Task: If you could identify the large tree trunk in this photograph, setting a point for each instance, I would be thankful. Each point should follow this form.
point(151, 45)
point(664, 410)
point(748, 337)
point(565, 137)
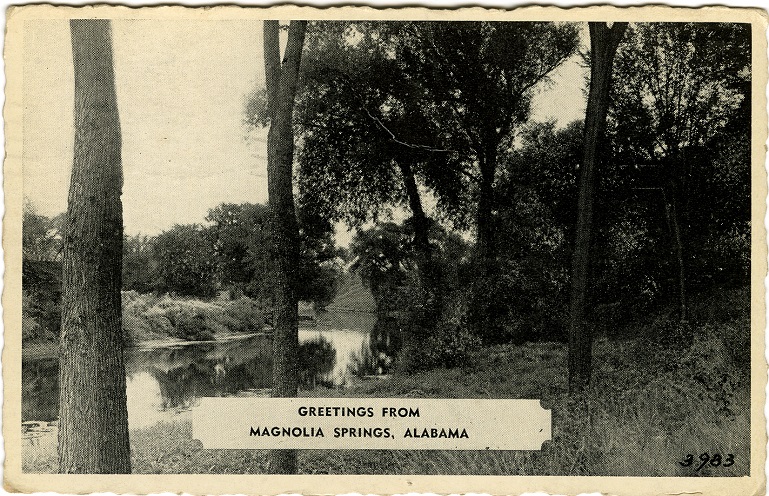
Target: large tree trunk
point(93, 417)
point(281, 89)
point(603, 42)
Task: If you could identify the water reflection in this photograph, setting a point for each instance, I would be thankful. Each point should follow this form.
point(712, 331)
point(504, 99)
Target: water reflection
point(40, 389)
point(316, 358)
point(162, 382)
point(376, 357)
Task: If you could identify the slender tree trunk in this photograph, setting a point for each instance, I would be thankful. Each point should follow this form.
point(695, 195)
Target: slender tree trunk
point(485, 303)
point(672, 215)
point(281, 90)
point(429, 272)
point(429, 275)
point(93, 417)
point(485, 222)
point(603, 41)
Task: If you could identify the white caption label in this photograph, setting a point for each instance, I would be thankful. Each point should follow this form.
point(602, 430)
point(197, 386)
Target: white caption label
point(371, 423)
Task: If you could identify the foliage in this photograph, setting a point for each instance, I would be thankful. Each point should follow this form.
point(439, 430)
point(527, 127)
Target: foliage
point(240, 234)
point(477, 80)
point(347, 168)
point(155, 317)
point(242, 315)
point(448, 345)
point(185, 261)
point(676, 88)
point(376, 356)
point(382, 260)
point(680, 132)
point(41, 300)
point(30, 328)
point(526, 296)
point(319, 259)
point(139, 264)
point(384, 256)
point(439, 96)
point(41, 236)
point(317, 358)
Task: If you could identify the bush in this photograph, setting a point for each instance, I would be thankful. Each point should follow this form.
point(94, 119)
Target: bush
point(191, 326)
point(152, 317)
point(41, 300)
point(518, 302)
point(447, 346)
point(316, 358)
point(30, 327)
point(709, 363)
point(700, 360)
point(242, 315)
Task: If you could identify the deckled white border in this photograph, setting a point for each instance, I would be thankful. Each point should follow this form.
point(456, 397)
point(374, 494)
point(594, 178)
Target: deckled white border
point(446, 484)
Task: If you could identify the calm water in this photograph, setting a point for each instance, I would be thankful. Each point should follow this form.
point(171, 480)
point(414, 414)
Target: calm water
point(163, 383)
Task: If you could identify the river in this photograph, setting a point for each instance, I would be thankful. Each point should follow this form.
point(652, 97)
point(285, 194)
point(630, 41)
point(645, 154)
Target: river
point(166, 382)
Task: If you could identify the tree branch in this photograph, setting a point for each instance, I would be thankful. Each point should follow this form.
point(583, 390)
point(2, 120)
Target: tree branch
point(400, 142)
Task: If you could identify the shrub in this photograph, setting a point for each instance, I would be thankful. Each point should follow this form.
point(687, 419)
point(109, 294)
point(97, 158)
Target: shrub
point(709, 363)
point(191, 325)
point(152, 317)
point(30, 328)
point(242, 315)
point(699, 360)
point(447, 346)
point(316, 358)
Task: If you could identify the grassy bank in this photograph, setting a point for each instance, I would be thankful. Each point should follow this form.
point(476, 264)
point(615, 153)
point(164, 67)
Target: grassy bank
point(160, 320)
point(632, 422)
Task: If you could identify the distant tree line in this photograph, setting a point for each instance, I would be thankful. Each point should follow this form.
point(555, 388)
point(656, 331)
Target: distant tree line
point(231, 252)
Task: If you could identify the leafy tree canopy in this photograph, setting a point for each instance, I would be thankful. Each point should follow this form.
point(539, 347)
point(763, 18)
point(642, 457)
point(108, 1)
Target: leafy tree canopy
point(440, 96)
point(186, 264)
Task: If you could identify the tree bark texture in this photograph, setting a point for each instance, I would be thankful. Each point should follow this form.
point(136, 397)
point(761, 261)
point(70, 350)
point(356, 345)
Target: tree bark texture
point(281, 90)
point(603, 43)
point(93, 417)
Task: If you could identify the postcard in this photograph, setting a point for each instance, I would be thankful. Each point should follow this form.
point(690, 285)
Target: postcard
point(302, 250)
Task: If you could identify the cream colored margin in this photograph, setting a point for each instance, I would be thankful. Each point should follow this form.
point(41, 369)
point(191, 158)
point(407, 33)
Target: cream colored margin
point(15, 480)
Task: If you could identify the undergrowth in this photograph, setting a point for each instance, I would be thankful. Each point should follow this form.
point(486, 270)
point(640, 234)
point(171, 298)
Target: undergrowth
point(653, 400)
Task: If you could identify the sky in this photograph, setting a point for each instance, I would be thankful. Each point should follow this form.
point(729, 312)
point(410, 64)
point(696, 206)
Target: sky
point(181, 88)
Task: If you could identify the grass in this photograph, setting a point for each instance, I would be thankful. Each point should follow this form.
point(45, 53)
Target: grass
point(629, 424)
point(665, 392)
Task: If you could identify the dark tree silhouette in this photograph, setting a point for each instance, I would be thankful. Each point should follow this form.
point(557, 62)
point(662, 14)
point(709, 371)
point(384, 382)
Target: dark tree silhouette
point(387, 106)
point(603, 45)
point(93, 429)
point(681, 91)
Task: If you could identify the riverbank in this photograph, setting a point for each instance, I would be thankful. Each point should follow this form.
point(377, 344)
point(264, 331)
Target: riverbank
point(632, 422)
point(220, 338)
point(38, 350)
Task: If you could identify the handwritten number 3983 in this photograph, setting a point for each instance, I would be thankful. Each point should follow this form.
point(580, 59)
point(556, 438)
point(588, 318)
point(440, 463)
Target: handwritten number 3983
point(715, 460)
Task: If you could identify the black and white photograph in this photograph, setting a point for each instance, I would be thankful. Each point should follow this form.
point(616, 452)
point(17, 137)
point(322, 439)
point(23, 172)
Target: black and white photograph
point(359, 242)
